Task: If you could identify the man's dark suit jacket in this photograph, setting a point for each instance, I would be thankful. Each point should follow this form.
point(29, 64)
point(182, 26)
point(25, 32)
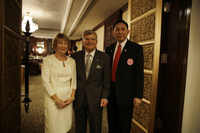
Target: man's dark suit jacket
point(129, 74)
point(98, 84)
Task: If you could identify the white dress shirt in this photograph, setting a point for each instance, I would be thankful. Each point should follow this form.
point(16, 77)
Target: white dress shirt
point(122, 47)
point(91, 57)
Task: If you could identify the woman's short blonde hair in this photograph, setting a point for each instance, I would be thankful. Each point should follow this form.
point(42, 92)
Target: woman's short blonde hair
point(58, 37)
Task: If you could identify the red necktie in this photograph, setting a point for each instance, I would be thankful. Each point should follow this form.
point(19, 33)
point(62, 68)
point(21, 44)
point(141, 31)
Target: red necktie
point(115, 63)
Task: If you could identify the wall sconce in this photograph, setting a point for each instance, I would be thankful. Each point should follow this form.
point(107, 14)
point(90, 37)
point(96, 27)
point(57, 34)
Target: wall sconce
point(40, 50)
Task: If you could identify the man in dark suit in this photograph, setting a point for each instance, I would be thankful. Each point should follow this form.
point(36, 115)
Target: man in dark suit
point(93, 84)
point(126, 79)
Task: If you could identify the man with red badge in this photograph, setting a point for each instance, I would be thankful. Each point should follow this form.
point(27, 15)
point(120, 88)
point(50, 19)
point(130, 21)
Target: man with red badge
point(127, 79)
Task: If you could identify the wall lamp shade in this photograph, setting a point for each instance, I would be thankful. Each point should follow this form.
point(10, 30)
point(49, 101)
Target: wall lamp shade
point(33, 26)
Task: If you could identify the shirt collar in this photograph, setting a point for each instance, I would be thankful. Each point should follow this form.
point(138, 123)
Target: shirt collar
point(92, 53)
point(122, 44)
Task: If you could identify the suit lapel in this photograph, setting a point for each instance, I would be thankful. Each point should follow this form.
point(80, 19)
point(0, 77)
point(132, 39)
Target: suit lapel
point(112, 50)
point(82, 68)
point(94, 64)
point(124, 52)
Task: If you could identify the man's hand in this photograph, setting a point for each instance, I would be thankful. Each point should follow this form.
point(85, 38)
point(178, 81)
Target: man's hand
point(104, 102)
point(137, 102)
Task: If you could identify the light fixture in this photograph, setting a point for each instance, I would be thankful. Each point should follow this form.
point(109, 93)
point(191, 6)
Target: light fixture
point(40, 47)
point(40, 50)
point(33, 26)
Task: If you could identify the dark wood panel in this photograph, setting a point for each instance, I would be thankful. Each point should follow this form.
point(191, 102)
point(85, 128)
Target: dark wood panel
point(49, 47)
point(12, 117)
point(10, 92)
point(172, 76)
point(12, 54)
point(109, 22)
point(99, 26)
point(33, 46)
point(11, 32)
point(1, 63)
point(12, 13)
point(109, 27)
point(124, 8)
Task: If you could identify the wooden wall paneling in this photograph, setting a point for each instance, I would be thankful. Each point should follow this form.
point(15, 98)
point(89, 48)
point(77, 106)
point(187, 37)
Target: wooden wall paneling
point(35, 40)
point(145, 27)
point(45, 47)
point(1, 64)
point(12, 100)
point(49, 46)
point(108, 28)
point(99, 26)
point(12, 13)
point(72, 44)
point(124, 8)
point(172, 75)
point(10, 49)
point(23, 52)
point(33, 46)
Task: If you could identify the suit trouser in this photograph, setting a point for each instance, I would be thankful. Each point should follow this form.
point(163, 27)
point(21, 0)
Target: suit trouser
point(119, 118)
point(95, 119)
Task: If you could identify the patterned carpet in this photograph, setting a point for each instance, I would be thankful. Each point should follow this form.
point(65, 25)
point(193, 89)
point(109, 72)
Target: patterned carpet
point(33, 121)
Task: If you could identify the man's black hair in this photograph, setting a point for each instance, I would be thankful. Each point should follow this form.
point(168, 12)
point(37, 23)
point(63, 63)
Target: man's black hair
point(120, 21)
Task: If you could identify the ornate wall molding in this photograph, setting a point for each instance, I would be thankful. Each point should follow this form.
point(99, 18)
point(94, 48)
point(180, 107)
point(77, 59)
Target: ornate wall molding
point(141, 114)
point(143, 30)
point(140, 7)
point(147, 87)
point(148, 52)
point(143, 22)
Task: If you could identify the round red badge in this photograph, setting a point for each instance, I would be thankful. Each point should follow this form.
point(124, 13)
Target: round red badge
point(130, 61)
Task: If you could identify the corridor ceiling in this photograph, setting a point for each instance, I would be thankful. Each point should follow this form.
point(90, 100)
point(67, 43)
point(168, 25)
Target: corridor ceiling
point(71, 17)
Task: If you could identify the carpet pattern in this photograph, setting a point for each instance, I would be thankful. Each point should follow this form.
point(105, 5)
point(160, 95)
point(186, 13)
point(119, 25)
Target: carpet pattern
point(33, 121)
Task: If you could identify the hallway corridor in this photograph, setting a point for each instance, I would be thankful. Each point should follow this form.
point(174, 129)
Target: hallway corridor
point(33, 121)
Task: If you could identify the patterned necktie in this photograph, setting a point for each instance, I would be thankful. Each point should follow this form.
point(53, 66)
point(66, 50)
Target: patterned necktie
point(115, 63)
point(88, 65)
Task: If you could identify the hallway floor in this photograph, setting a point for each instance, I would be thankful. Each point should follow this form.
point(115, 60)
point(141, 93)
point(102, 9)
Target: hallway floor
point(33, 121)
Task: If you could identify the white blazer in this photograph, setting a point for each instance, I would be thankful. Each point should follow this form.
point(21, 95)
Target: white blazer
point(49, 75)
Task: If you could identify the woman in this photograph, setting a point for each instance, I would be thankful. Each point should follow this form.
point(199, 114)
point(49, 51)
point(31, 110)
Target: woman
point(59, 81)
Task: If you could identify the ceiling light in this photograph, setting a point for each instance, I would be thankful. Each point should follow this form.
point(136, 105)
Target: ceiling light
point(33, 26)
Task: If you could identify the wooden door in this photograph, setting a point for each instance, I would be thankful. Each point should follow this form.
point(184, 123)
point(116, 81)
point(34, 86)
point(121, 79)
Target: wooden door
point(10, 66)
point(172, 74)
point(145, 29)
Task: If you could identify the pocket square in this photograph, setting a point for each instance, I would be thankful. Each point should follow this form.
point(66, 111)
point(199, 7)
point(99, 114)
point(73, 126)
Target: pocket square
point(98, 67)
